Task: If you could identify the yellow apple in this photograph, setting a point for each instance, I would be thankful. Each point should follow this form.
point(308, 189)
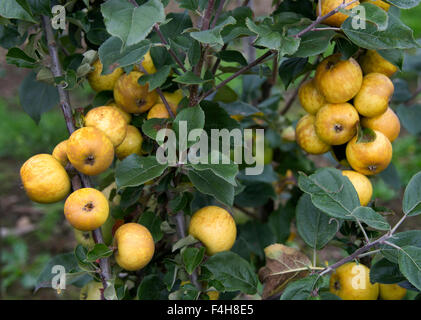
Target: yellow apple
point(337, 19)
point(131, 96)
point(310, 98)
point(90, 151)
point(100, 82)
point(338, 80)
point(135, 246)
point(306, 136)
point(336, 124)
point(361, 184)
point(391, 292)
point(372, 61)
point(215, 228)
point(132, 143)
point(86, 209)
point(109, 121)
point(60, 153)
point(44, 179)
point(387, 123)
point(373, 98)
point(351, 281)
point(369, 158)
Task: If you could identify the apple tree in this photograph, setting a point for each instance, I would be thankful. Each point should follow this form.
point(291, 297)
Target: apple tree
point(201, 230)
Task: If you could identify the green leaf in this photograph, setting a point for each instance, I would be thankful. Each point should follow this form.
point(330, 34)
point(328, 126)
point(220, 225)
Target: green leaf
point(232, 56)
point(19, 58)
point(136, 170)
point(99, 251)
point(314, 43)
point(384, 271)
point(13, 10)
point(331, 192)
point(409, 118)
point(394, 56)
point(346, 48)
point(371, 218)
point(302, 289)
point(267, 176)
point(213, 36)
point(233, 272)
point(409, 259)
point(255, 194)
point(130, 196)
point(10, 37)
point(152, 288)
point(209, 183)
point(184, 242)
point(153, 223)
point(315, 227)
point(192, 257)
point(37, 97)
point(291, 69)
point(152, 126)
point(131, 24)
point(113, 54)
point(187, 120)
point(189, 78)
point(396, 36)
point(157, 79)
point(67, 260)
point(273, 39)
point(412, 197)
point(373, 14)
point(404, 4)
point(228, 172)
point(401, 239)
point(239, 108)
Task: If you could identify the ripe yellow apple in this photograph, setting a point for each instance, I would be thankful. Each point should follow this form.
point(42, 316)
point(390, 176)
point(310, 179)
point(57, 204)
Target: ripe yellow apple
point(147, 64)
point(338, 80)
point(373, 98)
point(131, 96)
point(132, 143)
point(337, 19)
point(369, 158)
point(336, 123)
point(44, 179)
point(351, 281)
point(215, 228)
point(60, 153)
point(135, 246)
point(385, 6)
point(109, 121)
point(372, 61)
point(173, 98)
point(127, 116)
point(91, 291)
point(86, 209)
point(387, 123)
point(310, 98)
point(100, 82)
point(391, 291)
point(361, 184)
point(306, 136)
point(90, 151)
point(159, 111)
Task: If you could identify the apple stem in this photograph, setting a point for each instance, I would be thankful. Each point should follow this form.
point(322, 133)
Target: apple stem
point(82, 180)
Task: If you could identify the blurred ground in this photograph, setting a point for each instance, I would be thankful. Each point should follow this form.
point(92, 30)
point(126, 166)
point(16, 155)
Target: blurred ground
point(31, 233)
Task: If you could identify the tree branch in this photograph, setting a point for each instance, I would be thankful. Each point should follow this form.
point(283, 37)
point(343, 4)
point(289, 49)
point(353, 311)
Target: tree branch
point(320, 18)
point(170, 51)
point(238, 73)
point(56, 69)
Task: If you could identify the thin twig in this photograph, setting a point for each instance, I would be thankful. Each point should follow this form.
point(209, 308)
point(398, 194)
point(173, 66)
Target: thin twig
point(218, 61)
point(238, 73)
point(160, 93)
point(320, 18)
point(56, 69)
point(170, 51)
point(218, 13)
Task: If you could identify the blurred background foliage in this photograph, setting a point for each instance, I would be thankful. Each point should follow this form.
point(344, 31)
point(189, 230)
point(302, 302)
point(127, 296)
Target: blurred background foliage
point(32, 233)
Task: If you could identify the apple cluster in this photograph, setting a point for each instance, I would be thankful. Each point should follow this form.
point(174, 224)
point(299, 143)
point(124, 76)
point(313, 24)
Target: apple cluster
point(348, 114)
